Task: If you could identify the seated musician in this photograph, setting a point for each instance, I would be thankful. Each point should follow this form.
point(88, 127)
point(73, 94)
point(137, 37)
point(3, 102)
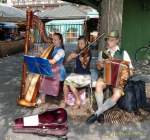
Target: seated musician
point(81, 76)
point(50, 86)
point(113, 52)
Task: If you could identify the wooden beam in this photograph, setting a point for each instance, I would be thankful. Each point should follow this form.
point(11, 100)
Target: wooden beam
point(75, 1)
point(93, 3)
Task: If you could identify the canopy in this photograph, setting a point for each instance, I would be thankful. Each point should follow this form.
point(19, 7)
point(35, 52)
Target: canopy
point(11, 14)
point(65, 22)
point(8, 25)
point(63, 12)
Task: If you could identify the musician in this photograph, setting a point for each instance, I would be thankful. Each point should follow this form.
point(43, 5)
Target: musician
point(50, 86)
point(81, 76)
point(111, 51)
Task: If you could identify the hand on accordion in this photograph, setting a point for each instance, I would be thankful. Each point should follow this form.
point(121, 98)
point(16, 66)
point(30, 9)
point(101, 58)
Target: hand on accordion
point(124, 75)
point(99, 65)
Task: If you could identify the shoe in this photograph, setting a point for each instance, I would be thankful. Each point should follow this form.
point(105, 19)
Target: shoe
point(39, 102)
point(91, 119)
point(100, 118)
point(146, 107)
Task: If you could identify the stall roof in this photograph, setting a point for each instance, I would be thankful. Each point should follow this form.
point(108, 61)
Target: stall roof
point(81, 21)
point(9, 13)
point(63, 12)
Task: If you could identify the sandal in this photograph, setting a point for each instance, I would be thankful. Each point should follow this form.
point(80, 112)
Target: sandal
point(63, 104)
point(77, 105)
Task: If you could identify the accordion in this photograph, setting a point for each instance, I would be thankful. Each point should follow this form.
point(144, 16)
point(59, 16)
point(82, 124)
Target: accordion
point(116, 72)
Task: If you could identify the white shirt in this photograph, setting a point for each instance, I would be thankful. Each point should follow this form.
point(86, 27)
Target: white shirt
point(59, 55)
point(126, 56)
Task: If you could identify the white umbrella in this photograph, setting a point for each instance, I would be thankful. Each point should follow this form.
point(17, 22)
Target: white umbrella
point(9, 13)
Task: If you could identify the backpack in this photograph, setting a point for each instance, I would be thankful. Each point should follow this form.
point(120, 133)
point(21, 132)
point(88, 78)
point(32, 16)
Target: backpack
point(134, 97)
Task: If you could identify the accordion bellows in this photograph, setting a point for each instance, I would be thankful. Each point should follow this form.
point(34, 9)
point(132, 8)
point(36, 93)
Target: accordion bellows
point(116, 72)
point(51, 122)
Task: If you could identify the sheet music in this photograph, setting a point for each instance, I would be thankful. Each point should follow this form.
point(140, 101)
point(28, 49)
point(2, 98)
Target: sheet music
point(38, 65)
point(31, 120)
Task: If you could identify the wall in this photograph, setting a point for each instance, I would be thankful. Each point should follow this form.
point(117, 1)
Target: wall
point(136, 25)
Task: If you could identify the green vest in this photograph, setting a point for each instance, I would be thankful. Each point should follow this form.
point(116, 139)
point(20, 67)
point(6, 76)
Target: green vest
point(119, 54)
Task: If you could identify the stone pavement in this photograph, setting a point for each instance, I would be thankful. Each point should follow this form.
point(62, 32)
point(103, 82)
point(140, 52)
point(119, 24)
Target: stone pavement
point(10, 76)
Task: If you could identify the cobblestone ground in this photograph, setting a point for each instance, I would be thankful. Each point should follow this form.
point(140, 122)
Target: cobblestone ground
point(10, 76)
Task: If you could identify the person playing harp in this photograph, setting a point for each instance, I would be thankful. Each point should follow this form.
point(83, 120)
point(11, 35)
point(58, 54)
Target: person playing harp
point(50, 86)
point(111, 52)
point(44, 47)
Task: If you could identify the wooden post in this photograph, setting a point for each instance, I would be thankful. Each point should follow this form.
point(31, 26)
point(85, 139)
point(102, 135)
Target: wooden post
point(111, 12)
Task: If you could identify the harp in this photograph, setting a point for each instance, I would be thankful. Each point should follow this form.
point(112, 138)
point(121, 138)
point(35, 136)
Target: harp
point(30, 82)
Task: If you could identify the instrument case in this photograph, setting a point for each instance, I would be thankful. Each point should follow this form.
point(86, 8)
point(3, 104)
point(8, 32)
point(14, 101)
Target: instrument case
point(52, 122)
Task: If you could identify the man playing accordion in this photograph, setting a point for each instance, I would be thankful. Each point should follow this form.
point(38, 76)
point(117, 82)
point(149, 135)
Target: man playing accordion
point(111, 60)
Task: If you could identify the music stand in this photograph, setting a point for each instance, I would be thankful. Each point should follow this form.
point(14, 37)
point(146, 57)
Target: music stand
point(38, 65)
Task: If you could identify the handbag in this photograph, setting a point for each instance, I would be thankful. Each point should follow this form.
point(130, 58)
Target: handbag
point(134, 97)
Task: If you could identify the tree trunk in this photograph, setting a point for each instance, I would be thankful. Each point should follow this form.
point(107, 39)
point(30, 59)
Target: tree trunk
point(110, 18)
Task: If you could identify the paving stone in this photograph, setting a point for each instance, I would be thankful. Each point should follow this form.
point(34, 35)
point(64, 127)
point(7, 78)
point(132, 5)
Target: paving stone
point(10, 74)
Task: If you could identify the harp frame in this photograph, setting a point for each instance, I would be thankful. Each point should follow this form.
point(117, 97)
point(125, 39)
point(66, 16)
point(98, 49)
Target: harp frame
point(29, 88)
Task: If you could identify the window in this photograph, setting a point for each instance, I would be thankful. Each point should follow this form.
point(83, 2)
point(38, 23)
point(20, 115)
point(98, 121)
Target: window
point(70, 32)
